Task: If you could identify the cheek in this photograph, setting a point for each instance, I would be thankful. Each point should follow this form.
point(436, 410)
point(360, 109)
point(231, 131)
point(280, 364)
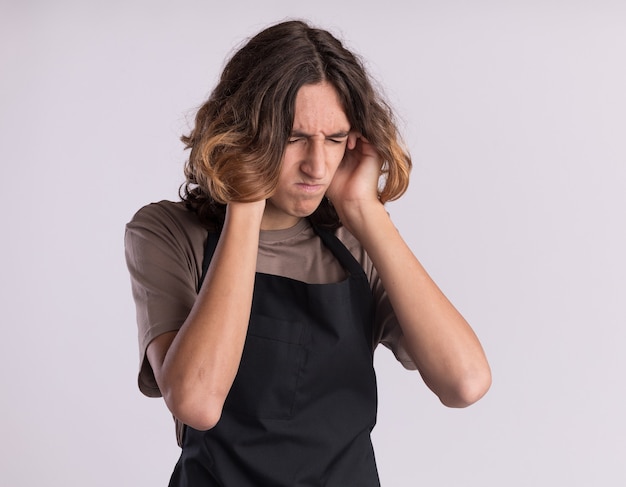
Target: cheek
point(335, 156)
point(289, 155)
point(288, 163)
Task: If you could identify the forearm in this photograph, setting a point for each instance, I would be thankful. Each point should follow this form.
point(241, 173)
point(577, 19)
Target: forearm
point(202, 360)
point(440, 341)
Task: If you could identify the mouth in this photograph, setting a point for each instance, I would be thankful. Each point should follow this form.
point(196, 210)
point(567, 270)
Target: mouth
point(310, 188)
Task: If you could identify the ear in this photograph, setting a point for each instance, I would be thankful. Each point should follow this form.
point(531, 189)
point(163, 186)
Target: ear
point(352, 138)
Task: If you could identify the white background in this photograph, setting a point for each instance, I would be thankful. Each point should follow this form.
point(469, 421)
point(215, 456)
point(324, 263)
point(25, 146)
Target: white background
point(515, 113)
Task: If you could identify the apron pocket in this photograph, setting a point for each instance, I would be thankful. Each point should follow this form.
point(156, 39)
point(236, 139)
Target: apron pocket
point(267, 379)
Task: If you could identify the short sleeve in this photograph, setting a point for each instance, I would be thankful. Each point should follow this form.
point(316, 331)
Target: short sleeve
point(163, 249)
point(387, 329)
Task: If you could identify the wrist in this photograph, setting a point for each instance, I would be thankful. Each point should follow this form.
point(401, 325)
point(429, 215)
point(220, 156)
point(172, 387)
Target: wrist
point(362, 217)
point(247, 214)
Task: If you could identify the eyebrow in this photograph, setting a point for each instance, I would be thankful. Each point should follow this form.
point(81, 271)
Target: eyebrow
point(336, 135)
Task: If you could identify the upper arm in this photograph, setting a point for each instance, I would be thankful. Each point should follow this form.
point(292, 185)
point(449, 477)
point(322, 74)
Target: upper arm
point(163, 255)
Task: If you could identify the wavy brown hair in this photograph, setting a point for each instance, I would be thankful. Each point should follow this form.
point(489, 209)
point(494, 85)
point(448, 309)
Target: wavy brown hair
point(241, 131)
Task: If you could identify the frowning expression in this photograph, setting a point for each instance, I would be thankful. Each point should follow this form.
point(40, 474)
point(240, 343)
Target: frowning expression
point(314, 151)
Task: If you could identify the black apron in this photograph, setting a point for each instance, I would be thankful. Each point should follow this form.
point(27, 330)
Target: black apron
point(304, 401)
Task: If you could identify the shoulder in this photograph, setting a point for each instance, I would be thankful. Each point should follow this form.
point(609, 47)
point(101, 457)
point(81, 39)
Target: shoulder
point(165, 213)
point(166, 219)
point(167, 233)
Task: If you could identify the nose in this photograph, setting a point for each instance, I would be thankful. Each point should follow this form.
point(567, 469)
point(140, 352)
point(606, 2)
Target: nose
point(314, 161)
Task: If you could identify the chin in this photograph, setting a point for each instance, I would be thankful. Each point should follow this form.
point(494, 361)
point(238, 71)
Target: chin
point(306, 212)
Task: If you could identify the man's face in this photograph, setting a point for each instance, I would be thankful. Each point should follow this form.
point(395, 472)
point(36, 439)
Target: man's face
point(313, 154)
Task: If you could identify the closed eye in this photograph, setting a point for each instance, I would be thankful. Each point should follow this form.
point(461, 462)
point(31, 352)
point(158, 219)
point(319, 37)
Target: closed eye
point(338, 138)
point(335, 138)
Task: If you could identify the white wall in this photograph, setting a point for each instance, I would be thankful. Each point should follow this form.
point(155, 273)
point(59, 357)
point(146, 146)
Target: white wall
point(515, 113)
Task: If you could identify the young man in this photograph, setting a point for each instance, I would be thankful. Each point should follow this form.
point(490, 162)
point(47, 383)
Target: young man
point(261, 296)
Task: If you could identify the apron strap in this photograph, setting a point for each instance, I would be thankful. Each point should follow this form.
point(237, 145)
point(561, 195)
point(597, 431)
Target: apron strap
point(339, 250)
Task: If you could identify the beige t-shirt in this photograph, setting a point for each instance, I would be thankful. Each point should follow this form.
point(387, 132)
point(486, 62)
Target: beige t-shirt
point(164, 253)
